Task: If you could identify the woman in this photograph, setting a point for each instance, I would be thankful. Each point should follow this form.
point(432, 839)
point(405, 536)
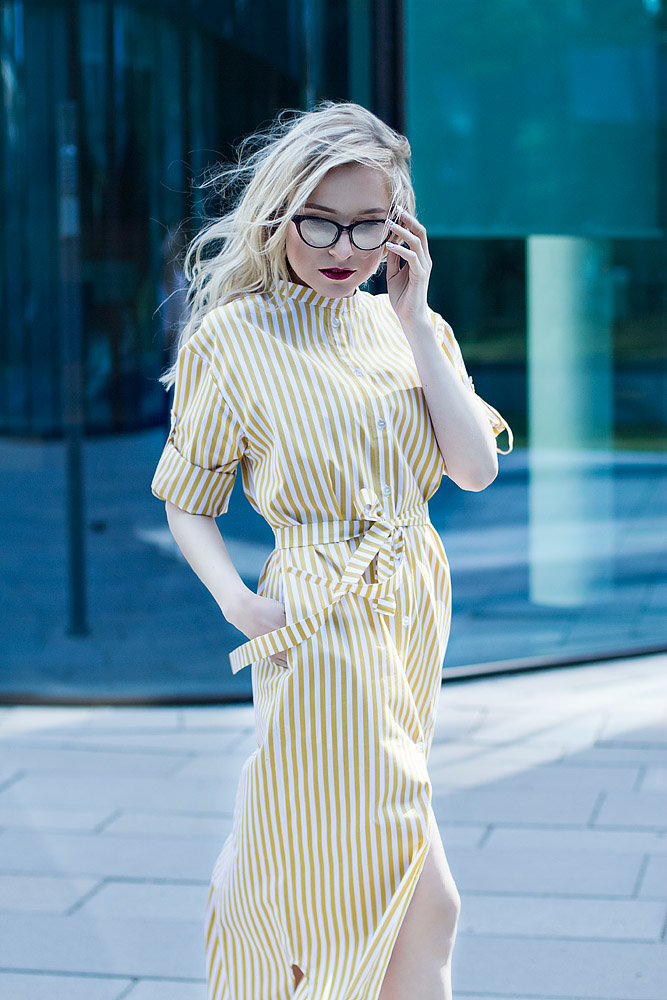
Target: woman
point(344, 410)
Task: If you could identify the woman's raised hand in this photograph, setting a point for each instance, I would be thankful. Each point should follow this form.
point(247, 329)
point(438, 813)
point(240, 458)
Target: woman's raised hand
point(408, 285)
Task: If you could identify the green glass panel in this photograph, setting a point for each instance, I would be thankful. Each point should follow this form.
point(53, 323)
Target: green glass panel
point(539, 117)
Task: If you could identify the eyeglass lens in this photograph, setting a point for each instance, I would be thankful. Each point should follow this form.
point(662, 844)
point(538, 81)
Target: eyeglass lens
point(322, 233)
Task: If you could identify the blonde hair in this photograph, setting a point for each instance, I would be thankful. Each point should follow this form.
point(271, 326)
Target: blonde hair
point(244, 251)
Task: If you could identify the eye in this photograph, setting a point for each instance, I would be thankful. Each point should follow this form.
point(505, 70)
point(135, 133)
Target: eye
point(318, 232)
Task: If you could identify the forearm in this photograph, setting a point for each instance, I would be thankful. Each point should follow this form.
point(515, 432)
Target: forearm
point(462, 429)
point(200, 541)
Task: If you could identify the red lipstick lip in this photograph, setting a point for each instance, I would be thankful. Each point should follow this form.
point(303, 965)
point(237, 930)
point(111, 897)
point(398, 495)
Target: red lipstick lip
point(336, 273)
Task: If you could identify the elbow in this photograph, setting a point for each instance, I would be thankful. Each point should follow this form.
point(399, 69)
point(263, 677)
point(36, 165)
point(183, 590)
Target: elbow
point(481, 482)
point(476, 478)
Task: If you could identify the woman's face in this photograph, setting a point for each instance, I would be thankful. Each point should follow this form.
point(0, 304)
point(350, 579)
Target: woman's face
point(351, 193)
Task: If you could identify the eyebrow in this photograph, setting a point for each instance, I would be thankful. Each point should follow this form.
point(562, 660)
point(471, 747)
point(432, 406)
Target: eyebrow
point(333, 211)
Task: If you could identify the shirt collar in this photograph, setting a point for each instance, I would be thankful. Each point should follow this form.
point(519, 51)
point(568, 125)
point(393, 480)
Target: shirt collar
point(290, 290)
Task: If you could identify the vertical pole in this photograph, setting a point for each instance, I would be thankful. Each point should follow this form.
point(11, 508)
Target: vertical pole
point(69, 234)
point(312, 41)
point(360, 48)
point(389, 62)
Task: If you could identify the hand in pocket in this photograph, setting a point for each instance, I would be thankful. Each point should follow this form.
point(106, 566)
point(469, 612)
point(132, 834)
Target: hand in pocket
point(255, 615)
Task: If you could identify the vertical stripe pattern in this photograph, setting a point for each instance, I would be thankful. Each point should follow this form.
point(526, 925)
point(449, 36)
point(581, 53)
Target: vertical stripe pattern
point(319, 402)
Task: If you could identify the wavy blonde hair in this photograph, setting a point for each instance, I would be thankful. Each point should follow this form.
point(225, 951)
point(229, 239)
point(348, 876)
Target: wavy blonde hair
point(244, 251)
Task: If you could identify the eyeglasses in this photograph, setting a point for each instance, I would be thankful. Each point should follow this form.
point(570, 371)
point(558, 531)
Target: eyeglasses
point(320, 233)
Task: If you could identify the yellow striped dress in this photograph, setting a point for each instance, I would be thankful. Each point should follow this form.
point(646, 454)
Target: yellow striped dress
point(320, 401)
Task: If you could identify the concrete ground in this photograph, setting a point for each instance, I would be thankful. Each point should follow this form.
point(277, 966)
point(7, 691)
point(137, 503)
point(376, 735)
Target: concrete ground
point(550, 791)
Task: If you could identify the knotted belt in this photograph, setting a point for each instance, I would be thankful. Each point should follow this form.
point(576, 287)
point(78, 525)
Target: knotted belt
point(384, 539)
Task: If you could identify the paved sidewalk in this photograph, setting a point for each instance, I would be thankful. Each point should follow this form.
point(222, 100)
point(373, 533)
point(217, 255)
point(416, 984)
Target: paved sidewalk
point(550, 790)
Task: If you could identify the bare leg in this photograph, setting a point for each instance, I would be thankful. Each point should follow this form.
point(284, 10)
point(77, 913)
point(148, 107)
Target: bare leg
point(420, 964)
point(298, 975)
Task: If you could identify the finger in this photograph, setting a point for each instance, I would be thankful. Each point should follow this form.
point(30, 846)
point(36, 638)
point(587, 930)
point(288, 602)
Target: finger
point(411, 220)
point(416, 240)
point(406, 234)
point(410, 256)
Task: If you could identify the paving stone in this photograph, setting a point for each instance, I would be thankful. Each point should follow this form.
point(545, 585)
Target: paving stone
point(651, 736)
point(106, 946)
point(35, 760)
point(159, 989)
point(219, 717)
point(509, 776)
point(631, 721)
point(167, 824)
point(83, 820)
point(23, 720)
point(41, 893)
point(488, 804)
point(525, 754)
point(116, 791)
point(9, 772)
point(39, 986)
point(611, 754)
point(537, 729)
point(453, 721)
point(520, 916)
point(210, 767)
point(173, 741)
point(655, 780)
point(586, 839)
point(150, 901)
point(122, 856)
point(531, 967)
point(654, 882)
point(114, 718)
point(551, 872)
point(639, 809)
point(461, 835)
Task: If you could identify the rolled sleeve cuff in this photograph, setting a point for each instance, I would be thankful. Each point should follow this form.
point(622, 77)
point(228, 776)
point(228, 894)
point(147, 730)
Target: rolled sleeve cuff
point(190, 487)
point(498, 425)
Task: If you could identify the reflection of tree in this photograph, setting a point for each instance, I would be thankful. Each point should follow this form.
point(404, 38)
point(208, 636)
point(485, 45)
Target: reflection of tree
point(484, 36)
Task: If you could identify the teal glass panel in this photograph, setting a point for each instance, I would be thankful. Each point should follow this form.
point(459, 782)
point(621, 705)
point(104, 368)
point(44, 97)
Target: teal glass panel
point(536, 118)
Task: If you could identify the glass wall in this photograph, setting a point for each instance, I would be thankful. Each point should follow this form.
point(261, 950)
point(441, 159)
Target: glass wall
point(539, 168)
point(538, 138)
point(157, 96)
point(94, 599)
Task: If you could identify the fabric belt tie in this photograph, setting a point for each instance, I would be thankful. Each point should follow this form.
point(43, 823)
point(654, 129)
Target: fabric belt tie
point(384, 539)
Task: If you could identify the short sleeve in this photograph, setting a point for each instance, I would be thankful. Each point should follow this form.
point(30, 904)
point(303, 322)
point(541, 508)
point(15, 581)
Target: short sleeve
point(446, 338)
point(206, 441)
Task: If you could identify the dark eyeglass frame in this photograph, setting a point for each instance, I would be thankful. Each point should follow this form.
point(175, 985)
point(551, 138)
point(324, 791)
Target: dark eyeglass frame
point(298, 219)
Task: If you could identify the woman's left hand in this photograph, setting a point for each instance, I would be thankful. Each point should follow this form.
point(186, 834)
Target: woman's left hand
point(408, 285)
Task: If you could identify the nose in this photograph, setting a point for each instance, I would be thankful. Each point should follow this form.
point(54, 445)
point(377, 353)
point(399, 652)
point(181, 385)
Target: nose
point(343, 248)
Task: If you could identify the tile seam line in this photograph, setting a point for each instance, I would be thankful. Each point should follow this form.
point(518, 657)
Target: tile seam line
point(66, 974)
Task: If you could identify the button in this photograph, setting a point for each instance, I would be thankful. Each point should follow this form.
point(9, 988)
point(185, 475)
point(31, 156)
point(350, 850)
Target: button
point(406, 621)
point(335, 322)
point(382, 424)
point(357, 371)
point(386, 490)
